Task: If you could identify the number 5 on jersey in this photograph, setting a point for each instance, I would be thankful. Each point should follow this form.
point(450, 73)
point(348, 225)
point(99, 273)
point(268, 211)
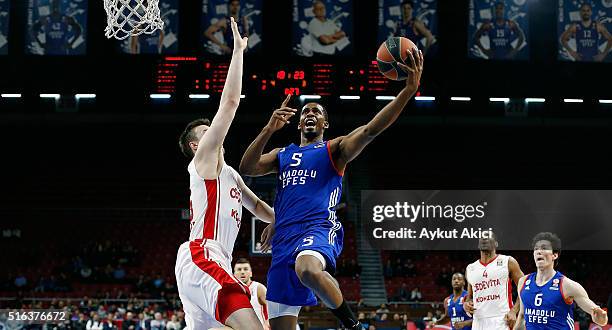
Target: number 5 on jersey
point(297, 157)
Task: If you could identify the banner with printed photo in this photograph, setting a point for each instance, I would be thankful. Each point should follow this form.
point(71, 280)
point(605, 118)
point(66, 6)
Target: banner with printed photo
point(416, 20)
point(498, 29)
point(584, 30)
point(217, 33)
point(56, 27)
point(160, 42)
point(322, 27)
point(4, 26)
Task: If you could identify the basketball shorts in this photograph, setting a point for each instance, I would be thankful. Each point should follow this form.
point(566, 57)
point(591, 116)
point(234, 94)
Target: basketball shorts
point(207, 287)
point(284, 286)
point(490, 323)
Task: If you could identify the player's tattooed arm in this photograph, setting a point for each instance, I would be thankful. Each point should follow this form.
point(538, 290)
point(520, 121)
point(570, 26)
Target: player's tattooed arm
point(254, 162)
point(346, 148)
point(254, 204)
point(208, 156)
point(520, 319)
point(573, 290)
point(565, 38)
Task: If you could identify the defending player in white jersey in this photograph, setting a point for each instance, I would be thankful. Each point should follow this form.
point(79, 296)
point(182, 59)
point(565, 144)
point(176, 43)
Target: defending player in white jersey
point(211, 295)
point(546, 298)
point(490, 287)
point(244, 272)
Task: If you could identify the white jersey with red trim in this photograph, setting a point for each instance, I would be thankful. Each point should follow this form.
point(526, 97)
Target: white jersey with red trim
point(491, 287)
point(262, 314)
point(216, 207)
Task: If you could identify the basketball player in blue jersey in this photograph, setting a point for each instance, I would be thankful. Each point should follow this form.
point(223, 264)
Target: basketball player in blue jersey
point(453, 306)
point(412, 28)
point(307, 236)
point(588, 35)
point(224, 25)
point(147, 43)
point(547, 297)
point(61, 31)
point(501, 33)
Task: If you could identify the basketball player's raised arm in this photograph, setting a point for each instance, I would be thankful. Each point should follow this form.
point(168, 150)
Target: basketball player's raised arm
point(520, 318)
point(574, 290)
point(254, 204)
point(207, 155)
point(254, 162)
point(345, 148)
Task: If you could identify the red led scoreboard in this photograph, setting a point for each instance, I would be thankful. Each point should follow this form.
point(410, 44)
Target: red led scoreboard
point(193, 75)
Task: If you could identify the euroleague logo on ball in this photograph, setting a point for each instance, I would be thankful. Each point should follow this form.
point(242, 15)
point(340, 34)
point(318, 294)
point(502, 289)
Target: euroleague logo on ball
point(394, 50)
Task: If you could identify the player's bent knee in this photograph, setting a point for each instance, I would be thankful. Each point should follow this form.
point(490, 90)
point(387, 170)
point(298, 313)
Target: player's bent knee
point(308, 274)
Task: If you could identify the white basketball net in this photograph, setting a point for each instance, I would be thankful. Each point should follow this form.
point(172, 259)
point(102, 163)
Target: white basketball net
point(132, 17)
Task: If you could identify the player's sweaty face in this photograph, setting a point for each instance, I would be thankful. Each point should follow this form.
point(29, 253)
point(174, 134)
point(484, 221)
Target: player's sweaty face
point(543, 253)
point(312, 118)
point(458, 281)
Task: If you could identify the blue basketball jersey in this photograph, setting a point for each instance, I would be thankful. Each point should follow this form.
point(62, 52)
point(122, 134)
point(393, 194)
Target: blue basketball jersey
point(56, 35)
point(545, 308)
point(149, 44)
point(587, 41)
point(500, 38)
point(407, 30)
point(456, 311)
point(308, 188)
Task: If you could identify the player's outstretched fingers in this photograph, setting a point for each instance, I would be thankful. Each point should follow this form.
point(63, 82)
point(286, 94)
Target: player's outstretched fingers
point(405, 67)
point(286, 101)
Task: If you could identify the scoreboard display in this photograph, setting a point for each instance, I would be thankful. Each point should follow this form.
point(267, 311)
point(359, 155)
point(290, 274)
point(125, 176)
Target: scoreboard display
point(193, 75)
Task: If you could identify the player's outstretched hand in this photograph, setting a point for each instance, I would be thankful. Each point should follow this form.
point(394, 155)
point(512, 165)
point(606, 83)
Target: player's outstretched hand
point(240, 43)
point(600, 316)
point(510, 319)
point(415, 69)
point(266, 238)
point(281, 116)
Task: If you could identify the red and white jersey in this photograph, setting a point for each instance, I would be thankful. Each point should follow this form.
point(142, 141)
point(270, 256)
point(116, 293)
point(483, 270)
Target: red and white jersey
point(216, 208)
point(262, 314)
point(491, 287)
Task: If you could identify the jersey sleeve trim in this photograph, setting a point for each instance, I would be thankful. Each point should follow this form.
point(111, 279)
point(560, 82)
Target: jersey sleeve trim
point(567, 300)
point(331, 159)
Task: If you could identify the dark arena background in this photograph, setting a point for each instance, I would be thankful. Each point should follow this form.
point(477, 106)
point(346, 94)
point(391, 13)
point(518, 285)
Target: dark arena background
point(95, 198)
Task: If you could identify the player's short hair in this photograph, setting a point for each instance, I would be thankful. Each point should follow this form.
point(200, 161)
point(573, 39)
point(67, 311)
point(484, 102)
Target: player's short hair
point(242, 261)
point(586, 3)
point(459, 273)
point(408, 2)
point(189, 135)
point(500, 3)
point(554, 240)
point(322, 108)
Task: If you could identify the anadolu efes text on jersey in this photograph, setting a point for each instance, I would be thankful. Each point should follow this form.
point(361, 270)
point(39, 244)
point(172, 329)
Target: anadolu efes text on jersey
point(545, 307)
point(309, 185)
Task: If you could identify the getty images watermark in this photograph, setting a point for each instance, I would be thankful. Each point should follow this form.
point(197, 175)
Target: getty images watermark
point(456, 219)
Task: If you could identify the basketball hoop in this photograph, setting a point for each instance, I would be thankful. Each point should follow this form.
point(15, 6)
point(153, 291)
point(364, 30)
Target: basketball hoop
point(132, 17)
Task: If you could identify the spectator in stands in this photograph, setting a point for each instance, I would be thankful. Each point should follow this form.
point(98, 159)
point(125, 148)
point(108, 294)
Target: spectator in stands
point(382, 309)
point(425, 321)
point(372, 327)
point(158, 322)
point(129, 323)
point(94, 323)
point(398, 267)
point(396, 317)
point(85, 272)
point(410, 268)
point(80, 323)
point(384, 317)
point(107, 324)
point(402, 293)
point(119, 273)
point(20, 282)
point(174, 323)
point(415, 295)
point(158, 281)
point(388, 271)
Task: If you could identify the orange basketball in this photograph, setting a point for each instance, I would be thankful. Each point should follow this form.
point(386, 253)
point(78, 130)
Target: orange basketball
point(391, 52)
